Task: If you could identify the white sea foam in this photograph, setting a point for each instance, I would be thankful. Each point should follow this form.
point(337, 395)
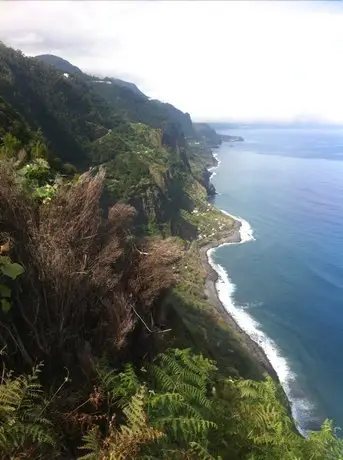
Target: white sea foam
point(246, 232)
point(215, 155)
point(301, 408)
point(213, 168)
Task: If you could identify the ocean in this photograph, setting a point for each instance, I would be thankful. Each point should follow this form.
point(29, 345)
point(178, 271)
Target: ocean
point(284, 284)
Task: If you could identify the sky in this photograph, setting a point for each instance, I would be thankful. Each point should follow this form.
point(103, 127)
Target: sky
point(219, 61)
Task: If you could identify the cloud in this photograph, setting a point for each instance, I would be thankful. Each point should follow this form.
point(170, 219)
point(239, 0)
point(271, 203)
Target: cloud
point(217, 60)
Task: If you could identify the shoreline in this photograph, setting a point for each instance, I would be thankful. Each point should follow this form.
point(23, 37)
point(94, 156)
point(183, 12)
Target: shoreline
point(233, 236)
point(211, 293)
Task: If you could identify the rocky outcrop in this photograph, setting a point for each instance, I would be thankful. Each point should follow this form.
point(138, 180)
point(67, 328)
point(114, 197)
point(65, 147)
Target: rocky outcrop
point(207, 135)
point(174, 139)
point(228, 138)
point(210, 188)
point(210, 137)
point(159, 209)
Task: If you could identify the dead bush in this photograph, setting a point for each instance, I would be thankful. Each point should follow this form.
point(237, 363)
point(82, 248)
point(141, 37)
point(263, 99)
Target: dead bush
point(87, 280)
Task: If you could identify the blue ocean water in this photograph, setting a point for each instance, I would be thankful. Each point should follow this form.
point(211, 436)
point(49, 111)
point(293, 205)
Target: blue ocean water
point(285, 285)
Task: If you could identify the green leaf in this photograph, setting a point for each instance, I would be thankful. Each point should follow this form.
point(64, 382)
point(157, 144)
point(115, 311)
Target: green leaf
point(5, 291)
point(12, 270)
point(4, 260)
point(5, 305)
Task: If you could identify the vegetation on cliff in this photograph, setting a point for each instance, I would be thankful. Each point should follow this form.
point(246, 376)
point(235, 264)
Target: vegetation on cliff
point(127, 100)
point(109, 348)
point(207, 135)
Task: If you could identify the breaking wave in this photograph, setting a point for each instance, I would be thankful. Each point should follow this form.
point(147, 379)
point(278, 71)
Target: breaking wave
point(300, 406)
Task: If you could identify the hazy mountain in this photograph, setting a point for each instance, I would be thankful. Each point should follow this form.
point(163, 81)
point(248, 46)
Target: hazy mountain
point(59, 63)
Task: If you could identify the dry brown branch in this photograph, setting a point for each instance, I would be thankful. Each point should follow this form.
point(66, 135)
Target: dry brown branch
point(87, 279)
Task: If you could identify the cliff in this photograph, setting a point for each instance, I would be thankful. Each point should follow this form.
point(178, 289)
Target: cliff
point(12, 122)
point(228, 138)
point(145, 144)
point(127, 100)
point(160, 167)
point(207, 135)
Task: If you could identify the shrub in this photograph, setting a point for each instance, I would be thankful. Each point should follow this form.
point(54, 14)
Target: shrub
point(88, 281)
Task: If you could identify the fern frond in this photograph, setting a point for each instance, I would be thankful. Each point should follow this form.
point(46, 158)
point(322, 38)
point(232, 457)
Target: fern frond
point(127, 441)
point(166, 401)
point(124, 442)
point(20, 433)
point(179, 371)
point(10, 397)
point(162, 379)
point(195, 395)
point(200, 452)
point(185, 428)
point(120, 387)
point(92, 443)
point(21, 414)
point(134, 411)
point(196, 363)
point(185, 367)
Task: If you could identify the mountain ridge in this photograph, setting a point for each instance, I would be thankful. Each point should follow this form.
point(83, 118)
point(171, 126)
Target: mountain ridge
point(84, 127)
point(126, 98)
point(58, 62)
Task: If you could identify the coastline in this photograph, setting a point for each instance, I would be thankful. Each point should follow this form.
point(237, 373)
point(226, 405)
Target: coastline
point(211, 293)
point(234, 236)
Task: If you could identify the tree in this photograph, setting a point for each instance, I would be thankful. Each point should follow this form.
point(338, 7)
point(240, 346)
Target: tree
point(10, 146)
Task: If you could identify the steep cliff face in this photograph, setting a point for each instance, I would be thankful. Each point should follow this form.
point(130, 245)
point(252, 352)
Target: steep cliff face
point(207, 135)
point(153, 211)
point(173, 138)
point(159, 207)
point(145, 145)
point(158, 211)
point(150, 169)
point(206, 182)
point(126, 99)
point(13, 123)
point(228, 138)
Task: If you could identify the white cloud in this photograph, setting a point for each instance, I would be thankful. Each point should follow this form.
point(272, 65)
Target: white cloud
point(217, 60)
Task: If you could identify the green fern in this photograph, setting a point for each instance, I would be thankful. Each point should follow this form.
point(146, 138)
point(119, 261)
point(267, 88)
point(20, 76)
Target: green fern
point(185, 429)
point(188, 415)
point(23, 426)
point(180, 371)
point(183, 366)
point(119, 387)
point(181, 404)
point(161, 422)
point(200, 452)
point(161, 378)
point(324, 444)
point(171, 403)
point(92, 443)
point(125, 441)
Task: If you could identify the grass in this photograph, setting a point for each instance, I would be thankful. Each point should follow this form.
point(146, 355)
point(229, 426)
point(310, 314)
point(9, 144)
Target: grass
point(212, 224)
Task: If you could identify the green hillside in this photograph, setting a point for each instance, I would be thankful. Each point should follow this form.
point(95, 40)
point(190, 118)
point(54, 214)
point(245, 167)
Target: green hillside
point(126, 99)
point(67, 111)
